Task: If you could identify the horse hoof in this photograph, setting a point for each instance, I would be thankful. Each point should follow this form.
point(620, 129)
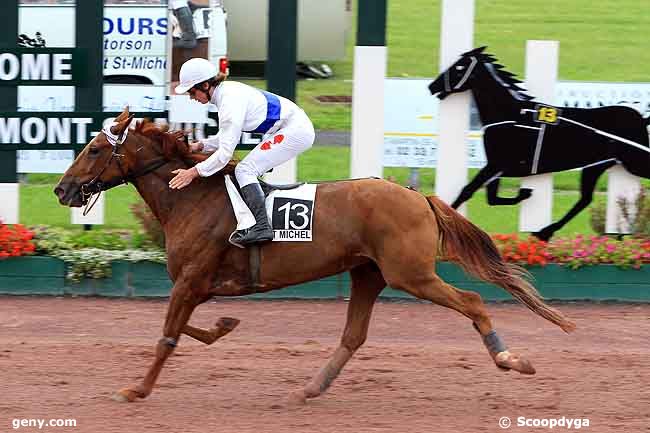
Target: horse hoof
point(508, 361)
point(125, 395)
point(227, 323)
point(297, 398)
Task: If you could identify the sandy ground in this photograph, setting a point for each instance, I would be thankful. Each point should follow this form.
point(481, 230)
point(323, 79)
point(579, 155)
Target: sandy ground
point(423, 369)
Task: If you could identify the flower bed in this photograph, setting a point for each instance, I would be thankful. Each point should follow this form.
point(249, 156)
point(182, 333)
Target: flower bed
point(15, 241)
point(575, 252)
point(582, 267)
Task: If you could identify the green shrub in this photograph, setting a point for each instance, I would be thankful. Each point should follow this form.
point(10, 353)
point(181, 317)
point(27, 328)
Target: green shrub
point(149, 223)
point(636, 213)
point(598, 217)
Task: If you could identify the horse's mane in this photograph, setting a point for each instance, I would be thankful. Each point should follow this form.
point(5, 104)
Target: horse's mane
point(174, 145)
point(506, 78)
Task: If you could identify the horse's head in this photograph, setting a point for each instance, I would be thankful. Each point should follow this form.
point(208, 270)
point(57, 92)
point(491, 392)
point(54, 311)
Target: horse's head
point(105, 162)
point(459, 76)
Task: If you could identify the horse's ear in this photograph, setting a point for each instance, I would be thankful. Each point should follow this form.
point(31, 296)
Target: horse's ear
point(121, 125)
point(123, 115)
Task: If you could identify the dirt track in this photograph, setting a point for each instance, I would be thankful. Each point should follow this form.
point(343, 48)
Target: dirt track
point(423, 369)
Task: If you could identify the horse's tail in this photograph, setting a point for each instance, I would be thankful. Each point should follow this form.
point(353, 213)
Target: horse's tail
point(474, 250)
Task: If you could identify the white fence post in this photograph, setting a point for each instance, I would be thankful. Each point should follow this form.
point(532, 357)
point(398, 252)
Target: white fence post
point(9, 197)
point(456, 37)
point(620, 183)
point(541, 76)
point(369, 73)
point(95, 216)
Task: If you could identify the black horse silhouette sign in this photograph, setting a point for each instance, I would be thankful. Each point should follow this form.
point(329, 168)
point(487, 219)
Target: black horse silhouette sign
point(524, 138)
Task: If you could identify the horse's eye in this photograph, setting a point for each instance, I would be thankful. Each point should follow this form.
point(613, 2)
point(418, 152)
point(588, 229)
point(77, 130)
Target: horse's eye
point(93, 151)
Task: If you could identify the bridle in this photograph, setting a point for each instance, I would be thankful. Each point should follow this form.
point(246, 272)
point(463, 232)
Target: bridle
point(462, 81)
point(96, 186)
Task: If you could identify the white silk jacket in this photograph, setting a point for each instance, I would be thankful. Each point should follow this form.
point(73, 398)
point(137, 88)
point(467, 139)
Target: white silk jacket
point(241, 108)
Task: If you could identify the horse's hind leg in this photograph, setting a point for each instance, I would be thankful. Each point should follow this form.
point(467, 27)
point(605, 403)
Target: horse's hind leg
point(367, 283)
point(470, 305)
point(208, 336)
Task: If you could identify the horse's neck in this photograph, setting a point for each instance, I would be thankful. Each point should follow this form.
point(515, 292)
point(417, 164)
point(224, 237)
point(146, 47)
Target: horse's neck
point(166, 203)
point(155, 191)
point(495, 102)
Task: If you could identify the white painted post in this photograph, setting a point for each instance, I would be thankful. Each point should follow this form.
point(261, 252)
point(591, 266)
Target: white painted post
point(9, 197)
point(620, 183)
point(456, 37)
point(541, 76)
point(95, 216)
point(368, 111)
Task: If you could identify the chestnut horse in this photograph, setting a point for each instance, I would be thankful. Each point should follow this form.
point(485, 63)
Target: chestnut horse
point(382, 233)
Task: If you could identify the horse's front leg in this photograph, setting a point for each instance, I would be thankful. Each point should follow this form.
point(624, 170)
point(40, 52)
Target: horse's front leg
point(181, 305)
point(493, 198)
point(208, 336)
point(483, 176)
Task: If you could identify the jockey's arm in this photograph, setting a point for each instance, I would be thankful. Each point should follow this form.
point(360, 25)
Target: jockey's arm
point(209, 145)
point(231, 123)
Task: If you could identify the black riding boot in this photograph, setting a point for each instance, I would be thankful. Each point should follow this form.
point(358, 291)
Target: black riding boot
point(261, 231)
point(186, 23)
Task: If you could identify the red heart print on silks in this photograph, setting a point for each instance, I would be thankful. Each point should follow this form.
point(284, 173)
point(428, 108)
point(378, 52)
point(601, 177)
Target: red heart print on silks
point(276, 140)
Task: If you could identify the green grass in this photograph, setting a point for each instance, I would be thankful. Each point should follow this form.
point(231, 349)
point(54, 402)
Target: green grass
point(599, 41)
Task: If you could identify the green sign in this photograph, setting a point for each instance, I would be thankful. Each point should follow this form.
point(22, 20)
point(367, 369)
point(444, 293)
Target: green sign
point(42, 67)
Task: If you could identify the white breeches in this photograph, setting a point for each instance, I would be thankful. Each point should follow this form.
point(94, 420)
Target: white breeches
point(296, 136)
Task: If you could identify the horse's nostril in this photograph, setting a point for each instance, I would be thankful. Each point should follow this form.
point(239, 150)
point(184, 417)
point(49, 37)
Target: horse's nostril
point(59, 192)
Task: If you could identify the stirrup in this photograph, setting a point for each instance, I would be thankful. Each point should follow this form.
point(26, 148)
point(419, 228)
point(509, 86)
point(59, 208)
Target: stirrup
point(260, 235)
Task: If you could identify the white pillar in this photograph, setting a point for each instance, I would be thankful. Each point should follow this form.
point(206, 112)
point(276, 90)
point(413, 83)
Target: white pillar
point(95, 216)
point(456, 37)
point(9, 197)
point(368, 111)
point(620, 183)
point(541, 76)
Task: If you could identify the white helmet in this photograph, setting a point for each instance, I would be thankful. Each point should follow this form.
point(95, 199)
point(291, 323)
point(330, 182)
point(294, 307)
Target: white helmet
point(193, 72)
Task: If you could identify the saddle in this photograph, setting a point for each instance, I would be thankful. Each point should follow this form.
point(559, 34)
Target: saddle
point(269, 188)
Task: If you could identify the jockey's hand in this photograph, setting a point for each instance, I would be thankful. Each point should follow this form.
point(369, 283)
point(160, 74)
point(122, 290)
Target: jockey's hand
point(183, 177)
point(196, 146)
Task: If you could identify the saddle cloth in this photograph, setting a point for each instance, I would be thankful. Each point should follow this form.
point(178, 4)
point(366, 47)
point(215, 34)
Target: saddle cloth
point(289, 211)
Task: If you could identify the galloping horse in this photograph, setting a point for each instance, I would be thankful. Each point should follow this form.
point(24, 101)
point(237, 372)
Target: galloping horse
point(524, 138)
point(384, 234)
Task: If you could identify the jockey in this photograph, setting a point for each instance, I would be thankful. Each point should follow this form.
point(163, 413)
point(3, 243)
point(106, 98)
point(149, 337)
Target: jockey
point(288, 132)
